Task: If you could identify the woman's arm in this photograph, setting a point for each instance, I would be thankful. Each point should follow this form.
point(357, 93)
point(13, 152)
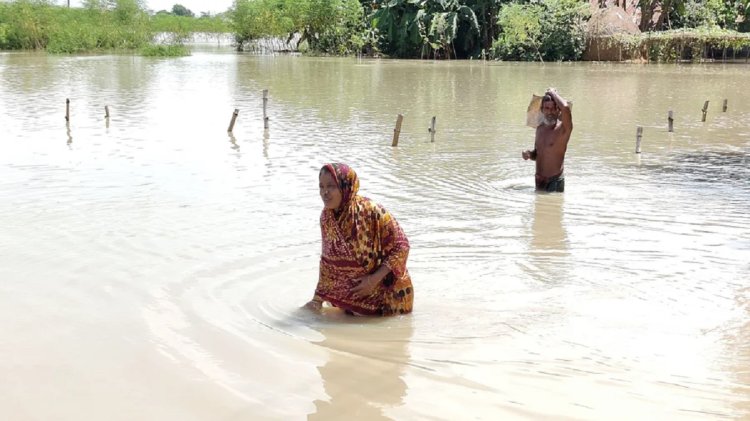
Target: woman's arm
point(394, 249)
point(395, 246)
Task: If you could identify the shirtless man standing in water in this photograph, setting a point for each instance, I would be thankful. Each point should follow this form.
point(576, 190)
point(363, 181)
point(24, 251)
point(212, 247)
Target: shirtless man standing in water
point(551, 142)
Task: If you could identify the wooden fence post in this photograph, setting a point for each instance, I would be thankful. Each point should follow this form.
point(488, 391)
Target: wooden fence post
point(670, 120)
point(397, 130)
point(432, 130)
point(265, 104)
point(638, 135)
point(234, 118)
point(705, 110)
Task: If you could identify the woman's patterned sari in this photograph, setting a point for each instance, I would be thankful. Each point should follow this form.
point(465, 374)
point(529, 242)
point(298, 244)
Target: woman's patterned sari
point(358, 238)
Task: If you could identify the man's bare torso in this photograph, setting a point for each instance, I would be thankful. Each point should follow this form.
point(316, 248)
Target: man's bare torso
point(550, 144)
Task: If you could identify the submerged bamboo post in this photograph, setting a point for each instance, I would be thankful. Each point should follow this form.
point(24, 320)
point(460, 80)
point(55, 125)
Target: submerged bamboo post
point(265, 104)
point(67, 109)
point(432, 130)
point(670, 120)
point(397, 130)
point(724, 106)
point(638, 135)
point(705, 110)
point(233, 141)
point(234, 118)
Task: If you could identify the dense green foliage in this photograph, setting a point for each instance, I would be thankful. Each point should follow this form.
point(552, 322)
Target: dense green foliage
point(168, 22)
point(100, 25)
point(38, 24)
point(327, 26)
point(681, 14)
point(544, 30)
point(500, 29)
point(175, 50)
point(447, 29)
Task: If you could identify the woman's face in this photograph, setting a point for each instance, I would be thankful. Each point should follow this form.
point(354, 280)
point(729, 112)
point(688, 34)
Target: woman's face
point(329, 191)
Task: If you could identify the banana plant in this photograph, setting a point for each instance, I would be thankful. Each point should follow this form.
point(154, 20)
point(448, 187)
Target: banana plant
point(423, 28)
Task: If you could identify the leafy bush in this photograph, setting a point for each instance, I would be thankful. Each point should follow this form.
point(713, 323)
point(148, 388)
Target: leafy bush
point(340, 28)
point(521, 37)
point(165, 51)
point(326, 26)
point(39, 24)
point(547, 30)
point(427, 28)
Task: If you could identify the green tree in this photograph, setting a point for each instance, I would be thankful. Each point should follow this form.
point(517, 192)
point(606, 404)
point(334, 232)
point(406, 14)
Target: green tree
point(329, 26)
point(486, 12)
point(521, 36)
point(180, 10)
point(547, 30)
point(246, 21)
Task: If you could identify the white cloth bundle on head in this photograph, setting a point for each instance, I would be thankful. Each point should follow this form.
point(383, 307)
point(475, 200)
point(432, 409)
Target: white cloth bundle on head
point(534, 116)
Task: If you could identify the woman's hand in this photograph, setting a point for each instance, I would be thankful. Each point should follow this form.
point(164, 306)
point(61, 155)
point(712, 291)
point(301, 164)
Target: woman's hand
point(314, 305)
point(365, 285)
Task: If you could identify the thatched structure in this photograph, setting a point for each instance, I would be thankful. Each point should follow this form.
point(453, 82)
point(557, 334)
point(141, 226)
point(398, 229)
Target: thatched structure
point(604, 26)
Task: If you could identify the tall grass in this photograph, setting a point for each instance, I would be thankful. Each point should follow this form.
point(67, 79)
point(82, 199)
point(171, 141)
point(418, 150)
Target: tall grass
point(114, 25)
point(165, 51)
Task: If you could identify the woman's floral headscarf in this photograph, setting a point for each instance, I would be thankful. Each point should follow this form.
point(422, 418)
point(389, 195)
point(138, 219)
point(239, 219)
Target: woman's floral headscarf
point(347, 181)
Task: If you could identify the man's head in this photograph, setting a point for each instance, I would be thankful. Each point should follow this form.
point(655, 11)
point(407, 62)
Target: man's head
point(550, 110)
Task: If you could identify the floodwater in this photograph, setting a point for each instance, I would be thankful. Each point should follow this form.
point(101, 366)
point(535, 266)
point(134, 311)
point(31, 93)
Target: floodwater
point(152, 266)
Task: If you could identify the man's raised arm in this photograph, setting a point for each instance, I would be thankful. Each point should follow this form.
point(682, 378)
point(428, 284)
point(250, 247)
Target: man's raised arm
point(565, 113)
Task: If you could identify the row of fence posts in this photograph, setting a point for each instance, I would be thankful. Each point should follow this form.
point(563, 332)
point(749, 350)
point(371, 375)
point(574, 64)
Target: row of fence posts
point(397, 130)
point(67, 118)
point(400, 119)
point(670, 123)
point(265, 113)
point(231, 123)
point(67, 110)
point(236, 113)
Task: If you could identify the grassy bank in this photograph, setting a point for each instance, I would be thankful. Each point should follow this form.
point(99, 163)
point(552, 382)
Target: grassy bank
point(41, 25)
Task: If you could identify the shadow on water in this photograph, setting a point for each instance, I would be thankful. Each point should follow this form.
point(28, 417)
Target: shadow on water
point(363, 376)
